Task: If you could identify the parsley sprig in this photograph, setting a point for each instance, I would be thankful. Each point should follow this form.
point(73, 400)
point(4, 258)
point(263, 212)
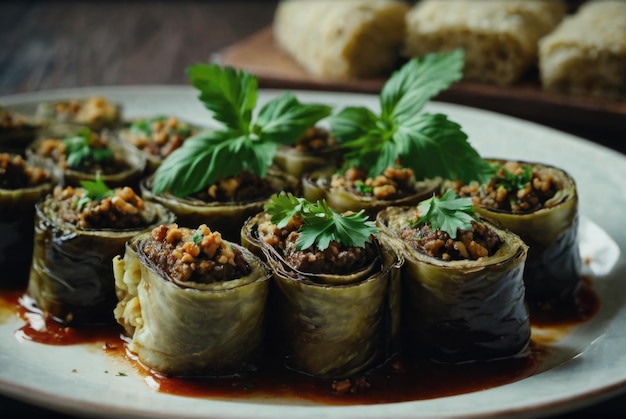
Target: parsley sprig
point(79, 150)
point(95, 190)
point(320, 223)
point(243, 143)
point(448, 213)
point(430, 144)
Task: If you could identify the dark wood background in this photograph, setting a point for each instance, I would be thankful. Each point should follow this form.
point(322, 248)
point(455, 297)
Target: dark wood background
point(60, 44)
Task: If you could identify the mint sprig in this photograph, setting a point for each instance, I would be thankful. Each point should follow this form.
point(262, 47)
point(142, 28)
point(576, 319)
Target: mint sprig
point(243, 143)
point(448, 213)
point(320, 223)
point(430, 145)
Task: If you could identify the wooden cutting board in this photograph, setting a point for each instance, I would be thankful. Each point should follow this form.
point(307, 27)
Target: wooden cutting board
point(596, 119)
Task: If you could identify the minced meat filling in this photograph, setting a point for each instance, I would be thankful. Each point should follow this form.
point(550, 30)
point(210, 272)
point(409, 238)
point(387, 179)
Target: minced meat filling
point(315, 139)
point(16, 174)
point(336, 259)
point(393, 183)
point(124, 210)
point(196, 255)
point(516, 188)
point(241, 188)
point(160, 136)
point(473, 244)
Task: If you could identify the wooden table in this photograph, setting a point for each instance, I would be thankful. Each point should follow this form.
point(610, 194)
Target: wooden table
point(50, 45)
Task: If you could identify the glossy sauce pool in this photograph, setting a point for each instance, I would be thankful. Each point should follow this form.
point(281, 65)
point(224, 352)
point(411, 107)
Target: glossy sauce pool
point(399, 379)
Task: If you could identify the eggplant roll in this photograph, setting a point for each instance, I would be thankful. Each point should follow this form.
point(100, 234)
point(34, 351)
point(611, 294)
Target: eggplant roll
point(16, 131)
point(462, 310)
point(21, 187)
point(227, 215)
point(71, 277)
point(315, 149)
point(123, 167)
point(182, 325)
point(333, 325)
point(320, 184)
point(156, 137)
point(549, 228)
point(95, 112)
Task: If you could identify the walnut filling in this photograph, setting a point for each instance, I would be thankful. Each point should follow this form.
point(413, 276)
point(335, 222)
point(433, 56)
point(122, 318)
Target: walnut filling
point(88, 111)
point(393, 183)
point(10, 121)
point(468, 245)
point(335, 259)
point(55, 149)
point(502, 195)
point(123, 210)
point(16, 174)
point(315, 139)
point(160, 136)
point(196, 255)
point(241, 188)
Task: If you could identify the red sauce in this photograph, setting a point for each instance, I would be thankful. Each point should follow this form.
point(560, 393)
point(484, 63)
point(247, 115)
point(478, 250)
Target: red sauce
point(400, 379)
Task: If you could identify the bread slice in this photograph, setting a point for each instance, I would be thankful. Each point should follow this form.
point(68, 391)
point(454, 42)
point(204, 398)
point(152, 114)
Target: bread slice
point(586, 54)
point(499, 36)
point(341, 39)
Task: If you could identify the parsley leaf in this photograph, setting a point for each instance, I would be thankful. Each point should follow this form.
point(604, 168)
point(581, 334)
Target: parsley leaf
point(448, 213)
point(430, 145)
point(95, 190)
point(79, 151)
point(243, 143)
point(320, 223)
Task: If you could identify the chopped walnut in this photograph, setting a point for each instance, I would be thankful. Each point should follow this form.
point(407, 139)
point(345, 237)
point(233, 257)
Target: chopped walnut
point(197, 255)
point(15, 173)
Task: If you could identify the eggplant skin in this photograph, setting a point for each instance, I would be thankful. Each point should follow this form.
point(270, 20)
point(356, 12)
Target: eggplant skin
point(327, 330)
point(17, 218)
point(462, 311)
point(553, 268)
point(197, 329)
point(71, 277)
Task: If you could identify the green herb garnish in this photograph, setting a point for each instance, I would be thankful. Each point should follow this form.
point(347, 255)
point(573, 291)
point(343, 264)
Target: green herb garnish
point(243, 143)
point(448, 213)
point(197, 236)
point(429, 144)
point(320, 223)
point(79, 151)
point(512, 182)
point(363, 188)
point(94, 191)
point(145, 127)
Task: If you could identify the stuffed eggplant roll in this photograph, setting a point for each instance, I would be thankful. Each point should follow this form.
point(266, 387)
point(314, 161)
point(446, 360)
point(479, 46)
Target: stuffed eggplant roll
point(463, 286)
point(355, 190)
point(315, 149)
point(95, 112)
point(539, 203)
point(191, 302)
point(81, 153)
point(16, 131)
point(77, 233)
point(21, 186)
point(156, 137)
point(338, 294)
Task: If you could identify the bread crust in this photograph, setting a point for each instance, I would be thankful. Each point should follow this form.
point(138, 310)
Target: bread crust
point(499, 36)
point(341, 39)
point(586, 54)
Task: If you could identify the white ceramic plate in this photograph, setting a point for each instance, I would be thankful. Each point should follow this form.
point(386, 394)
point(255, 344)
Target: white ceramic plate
point(586, 365)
